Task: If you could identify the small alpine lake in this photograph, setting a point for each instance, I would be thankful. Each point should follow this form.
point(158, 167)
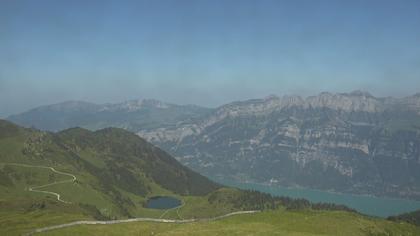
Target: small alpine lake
point(369, 205)
point(163, 202)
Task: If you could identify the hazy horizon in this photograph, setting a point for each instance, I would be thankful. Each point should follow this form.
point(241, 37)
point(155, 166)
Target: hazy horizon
point(191, 103)
point(206, 53)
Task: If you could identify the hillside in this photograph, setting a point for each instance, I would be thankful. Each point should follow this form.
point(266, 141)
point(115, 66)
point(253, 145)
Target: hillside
point(116, 173)
point(48, 179)
point(109, 157)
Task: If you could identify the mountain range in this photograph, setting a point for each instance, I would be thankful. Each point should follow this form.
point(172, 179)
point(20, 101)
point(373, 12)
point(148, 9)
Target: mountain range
point(344, 142)
point(131, 115)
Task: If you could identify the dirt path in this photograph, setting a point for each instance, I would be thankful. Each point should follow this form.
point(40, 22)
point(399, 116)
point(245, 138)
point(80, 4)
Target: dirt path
point(73, 178)
point(34, 188)
point(137, 220)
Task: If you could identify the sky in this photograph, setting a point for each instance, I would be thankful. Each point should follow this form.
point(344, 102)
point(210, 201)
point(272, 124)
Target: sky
point(204, 52)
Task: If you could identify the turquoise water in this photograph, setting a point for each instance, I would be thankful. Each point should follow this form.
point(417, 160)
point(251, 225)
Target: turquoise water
point(368, 205)
point(162, 202)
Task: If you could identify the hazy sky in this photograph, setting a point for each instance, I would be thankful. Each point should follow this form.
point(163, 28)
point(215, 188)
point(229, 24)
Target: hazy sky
point(204, 52)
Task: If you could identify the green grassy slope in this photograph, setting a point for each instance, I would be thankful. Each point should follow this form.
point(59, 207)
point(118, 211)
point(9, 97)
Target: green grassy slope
point(279, 222)
point(24, 215)
point(116, 173)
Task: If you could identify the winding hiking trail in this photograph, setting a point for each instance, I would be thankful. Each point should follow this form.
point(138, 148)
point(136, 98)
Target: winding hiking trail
point(34, 188)
point(110, 222)
point(94, 222)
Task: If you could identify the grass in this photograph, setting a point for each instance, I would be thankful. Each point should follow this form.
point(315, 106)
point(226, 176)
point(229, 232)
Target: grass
point(279, 222)
point(199, 207)
point(19, 222)
point(21, 214)
point(25, 177)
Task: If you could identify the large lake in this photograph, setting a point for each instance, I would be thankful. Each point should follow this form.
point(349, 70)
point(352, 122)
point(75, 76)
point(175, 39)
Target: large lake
point(368, 205)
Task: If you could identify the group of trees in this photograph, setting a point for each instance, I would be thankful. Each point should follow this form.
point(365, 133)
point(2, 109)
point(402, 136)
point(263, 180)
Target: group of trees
point(254, 200)
point(411, 217)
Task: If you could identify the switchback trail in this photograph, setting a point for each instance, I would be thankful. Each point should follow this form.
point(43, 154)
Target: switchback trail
point(34, 188)
point(110, 222)
point(85, 222)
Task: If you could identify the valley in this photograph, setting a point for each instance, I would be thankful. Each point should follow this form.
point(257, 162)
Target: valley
point(73, 170)
point(351, 143)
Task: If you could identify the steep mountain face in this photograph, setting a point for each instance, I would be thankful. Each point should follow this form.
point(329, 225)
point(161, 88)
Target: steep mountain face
point(342, 142)
point(130, 115)
point(349, 142)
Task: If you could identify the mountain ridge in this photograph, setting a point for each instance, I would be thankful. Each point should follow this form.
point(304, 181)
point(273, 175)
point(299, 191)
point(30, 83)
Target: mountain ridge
point(93, 116)
point(135, 104)
point(351, 143)
point(345, 142)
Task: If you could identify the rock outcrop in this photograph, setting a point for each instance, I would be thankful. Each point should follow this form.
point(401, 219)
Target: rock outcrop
point(342, 142)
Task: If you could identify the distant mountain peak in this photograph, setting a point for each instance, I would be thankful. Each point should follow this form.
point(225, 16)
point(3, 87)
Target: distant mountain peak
point(72, 105)
point(361, 93)
point(417, 95)
point(141, 103)
point(325, 93)
point(271, 97)
point(135, 105)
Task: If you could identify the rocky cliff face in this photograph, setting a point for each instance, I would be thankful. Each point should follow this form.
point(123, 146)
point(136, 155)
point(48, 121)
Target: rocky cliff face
point(342, 142)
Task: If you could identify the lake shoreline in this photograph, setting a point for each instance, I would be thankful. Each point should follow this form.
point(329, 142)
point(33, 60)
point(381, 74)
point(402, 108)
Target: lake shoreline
point(364, 203)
